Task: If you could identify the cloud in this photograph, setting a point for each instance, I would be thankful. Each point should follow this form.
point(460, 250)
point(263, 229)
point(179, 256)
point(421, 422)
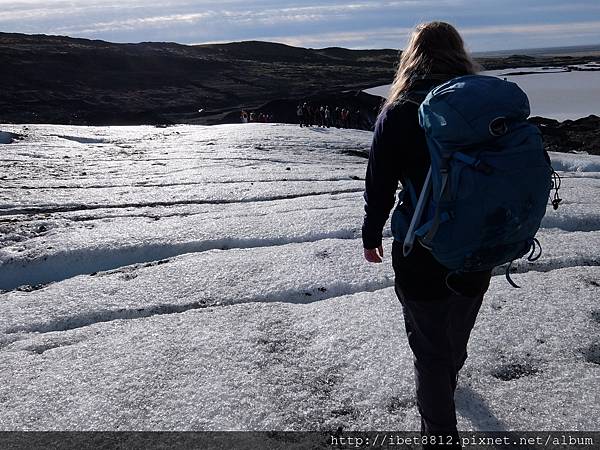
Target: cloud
point(141, 23)
point(231, 17)
point(227, 17)
point(396, 37)
point(353, 23)
point(543, 28)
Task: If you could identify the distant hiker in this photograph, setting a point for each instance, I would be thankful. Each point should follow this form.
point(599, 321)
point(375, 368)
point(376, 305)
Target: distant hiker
point(327, 115)
point(244, 117)
point(344, 116)
point(300, 114)
point(438, 319)
point(336, 117)
point(305, 115)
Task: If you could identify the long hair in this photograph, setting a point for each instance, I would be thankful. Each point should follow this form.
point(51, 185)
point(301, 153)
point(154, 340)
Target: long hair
point(434, 48)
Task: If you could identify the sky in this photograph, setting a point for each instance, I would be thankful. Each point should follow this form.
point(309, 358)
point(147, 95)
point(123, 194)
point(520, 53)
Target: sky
point(485, 24)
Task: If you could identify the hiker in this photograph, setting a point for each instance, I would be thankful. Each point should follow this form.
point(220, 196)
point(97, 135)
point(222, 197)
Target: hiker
point(345, 118)
point(338, 117)
point(305, 115)
point(327, 115)
point(439, 313)
point(300, 114)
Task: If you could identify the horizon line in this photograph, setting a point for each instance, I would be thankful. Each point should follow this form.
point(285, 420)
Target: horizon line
point(479, 52)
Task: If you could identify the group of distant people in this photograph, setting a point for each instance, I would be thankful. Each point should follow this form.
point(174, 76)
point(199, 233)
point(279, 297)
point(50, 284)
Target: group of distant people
point(309, 115)
point(322, 116)
point(247, 117)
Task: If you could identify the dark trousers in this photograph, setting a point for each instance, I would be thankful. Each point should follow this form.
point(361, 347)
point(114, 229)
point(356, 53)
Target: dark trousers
point(438, 331)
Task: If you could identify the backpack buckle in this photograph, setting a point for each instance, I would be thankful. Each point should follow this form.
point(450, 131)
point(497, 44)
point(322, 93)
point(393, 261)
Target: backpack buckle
point(498, 127)
point(482, 167)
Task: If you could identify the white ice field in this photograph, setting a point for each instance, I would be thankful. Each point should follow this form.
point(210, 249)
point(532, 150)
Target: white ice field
point(211, 278)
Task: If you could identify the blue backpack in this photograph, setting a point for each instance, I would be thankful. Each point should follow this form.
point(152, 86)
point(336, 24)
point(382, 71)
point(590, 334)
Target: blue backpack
point(488, 185)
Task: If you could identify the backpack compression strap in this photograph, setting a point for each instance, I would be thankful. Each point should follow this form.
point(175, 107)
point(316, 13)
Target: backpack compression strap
point(416, 98)
point(409, 240)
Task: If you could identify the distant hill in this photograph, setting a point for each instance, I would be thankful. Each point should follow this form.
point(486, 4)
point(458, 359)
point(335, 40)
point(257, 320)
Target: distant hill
point(57, 79)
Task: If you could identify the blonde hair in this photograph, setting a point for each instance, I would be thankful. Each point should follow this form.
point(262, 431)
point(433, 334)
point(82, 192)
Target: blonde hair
point(434, 48)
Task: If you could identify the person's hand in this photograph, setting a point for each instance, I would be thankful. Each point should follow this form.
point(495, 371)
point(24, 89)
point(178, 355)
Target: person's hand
point(374, 255)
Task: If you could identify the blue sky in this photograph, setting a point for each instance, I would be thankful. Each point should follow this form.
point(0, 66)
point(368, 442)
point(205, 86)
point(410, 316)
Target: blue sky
point(485, 24)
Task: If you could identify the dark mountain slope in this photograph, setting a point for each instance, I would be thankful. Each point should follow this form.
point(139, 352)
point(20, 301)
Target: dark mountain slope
point(55, 79)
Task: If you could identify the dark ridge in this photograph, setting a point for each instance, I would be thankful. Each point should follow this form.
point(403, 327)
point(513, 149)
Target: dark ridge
point(541, 60)
point(57, 79)
point(64, 80)
point(581, 135)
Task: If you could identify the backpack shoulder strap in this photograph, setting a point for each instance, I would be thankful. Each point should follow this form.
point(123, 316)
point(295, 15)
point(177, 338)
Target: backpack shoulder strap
point(415, 97)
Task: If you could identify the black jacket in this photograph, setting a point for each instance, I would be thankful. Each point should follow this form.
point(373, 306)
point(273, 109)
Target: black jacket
point(399, 153)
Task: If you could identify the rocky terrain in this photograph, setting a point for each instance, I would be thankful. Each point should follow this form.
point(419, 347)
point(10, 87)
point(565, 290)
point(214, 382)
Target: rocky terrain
point(566, 61)
point(574, 136)
point(51, 79)
point(62, 80)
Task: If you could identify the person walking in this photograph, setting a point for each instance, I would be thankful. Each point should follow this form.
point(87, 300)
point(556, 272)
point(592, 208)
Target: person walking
point(439, 308)
point(305, 115)
point(300, 114)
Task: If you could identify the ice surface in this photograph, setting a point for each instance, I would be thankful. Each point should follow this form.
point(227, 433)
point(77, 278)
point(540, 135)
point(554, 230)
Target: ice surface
point(343, 361)
point(185, 279)
point(300, 273)
point(567, 162)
